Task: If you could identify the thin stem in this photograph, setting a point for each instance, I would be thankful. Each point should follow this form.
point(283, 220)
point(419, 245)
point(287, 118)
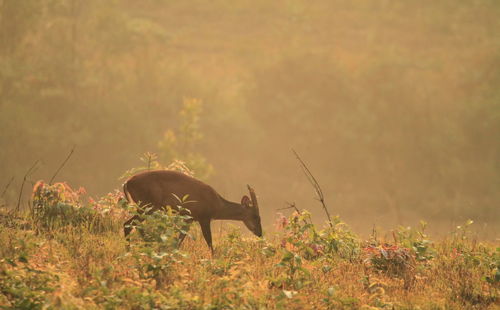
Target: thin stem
point(30, 170)
point(7, 187)
point(62, 165)
point(315, 184)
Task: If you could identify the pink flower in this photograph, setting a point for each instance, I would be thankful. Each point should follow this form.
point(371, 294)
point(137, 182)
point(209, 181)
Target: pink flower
point(281, 222)
point(318, 249)
point(455, 253)
point(81, 191)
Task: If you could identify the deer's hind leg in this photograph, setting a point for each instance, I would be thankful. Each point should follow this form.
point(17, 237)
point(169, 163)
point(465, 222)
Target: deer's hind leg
point(207, 233)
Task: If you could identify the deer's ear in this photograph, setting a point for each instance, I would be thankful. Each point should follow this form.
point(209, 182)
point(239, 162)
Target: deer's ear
point(245, 201)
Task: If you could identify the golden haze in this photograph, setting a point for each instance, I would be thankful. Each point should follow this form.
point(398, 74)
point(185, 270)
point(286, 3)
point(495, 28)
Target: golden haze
point(393, 104)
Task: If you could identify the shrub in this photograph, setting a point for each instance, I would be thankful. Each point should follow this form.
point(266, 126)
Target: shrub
point(392, 260)
point(157, 250)
point(471, 272)
point(302, 241)
point(57, 205)
point(335, 241)
point(21, 285)
point(417, 241)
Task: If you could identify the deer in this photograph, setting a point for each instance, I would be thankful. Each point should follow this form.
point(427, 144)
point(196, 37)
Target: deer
point(157, 189)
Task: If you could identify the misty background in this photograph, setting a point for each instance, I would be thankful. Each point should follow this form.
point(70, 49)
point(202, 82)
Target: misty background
point(394, 105)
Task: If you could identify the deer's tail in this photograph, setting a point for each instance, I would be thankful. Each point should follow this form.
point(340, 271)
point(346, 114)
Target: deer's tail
point(127, 193)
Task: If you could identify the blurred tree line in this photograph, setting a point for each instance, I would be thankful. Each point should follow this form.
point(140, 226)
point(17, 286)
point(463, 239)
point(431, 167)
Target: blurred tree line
point(395, 105)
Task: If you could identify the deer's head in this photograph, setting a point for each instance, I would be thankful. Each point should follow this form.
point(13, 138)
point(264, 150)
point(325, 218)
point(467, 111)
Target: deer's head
point(252, 216)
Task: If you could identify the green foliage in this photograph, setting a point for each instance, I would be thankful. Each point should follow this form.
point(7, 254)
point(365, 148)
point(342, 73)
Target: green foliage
point(294, 275)
point(23, 286)
point(417, 241)
point(73, 268)
point(462, 232)
point(411, 254)
point(335, 241)
point(295, 246)
point(59, 205)
point(463, 263)
point(302, 241)
point(392, 260)
point(466, 265)
point(339, 240)
point(150, 162)
point(182, 144)
point(157, 250)
point(179, 150)
point(103, 293)
point(333, 301)
point(494, 265)
point(234, 246)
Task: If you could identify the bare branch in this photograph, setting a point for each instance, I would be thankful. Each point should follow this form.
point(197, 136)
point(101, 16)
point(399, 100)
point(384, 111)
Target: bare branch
point(290, 206)
point(28, 173)
point(285, 208)
point(315, 184)
point(62, 165)
point(7, 187)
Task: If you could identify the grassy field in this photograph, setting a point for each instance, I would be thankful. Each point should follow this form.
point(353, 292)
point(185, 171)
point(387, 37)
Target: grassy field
point(69, 253)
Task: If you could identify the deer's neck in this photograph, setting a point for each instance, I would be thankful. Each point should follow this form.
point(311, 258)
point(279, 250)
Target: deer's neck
point(229, 211)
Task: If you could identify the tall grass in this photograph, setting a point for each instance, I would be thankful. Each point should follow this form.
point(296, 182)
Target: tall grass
point(70, 260)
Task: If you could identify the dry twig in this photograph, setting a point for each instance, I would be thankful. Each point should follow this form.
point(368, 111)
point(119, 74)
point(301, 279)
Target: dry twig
point(62, 165)
point(28, 173)
point(290, 206)
point(6, 187)
point(315, 185)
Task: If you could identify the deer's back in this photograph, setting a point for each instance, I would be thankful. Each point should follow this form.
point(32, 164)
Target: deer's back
point(158, 188)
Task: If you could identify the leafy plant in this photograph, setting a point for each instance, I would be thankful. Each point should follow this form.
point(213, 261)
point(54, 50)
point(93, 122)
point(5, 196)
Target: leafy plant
point(339, 241)
point(21, 285)
point(417, 241)
point(181, 144)
point(336, 240)
point(462, 232)
point(150, 162)
point(494, 265)
point(159, 231)
point(293, 275)
point(392, 260)
point(296, 244)
point(57, 205)
point(466, 264)
point(300, 235)
point(303, 267)
point(332, 300)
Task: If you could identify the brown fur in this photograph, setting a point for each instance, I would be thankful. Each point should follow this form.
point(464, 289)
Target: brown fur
point(157, 189)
